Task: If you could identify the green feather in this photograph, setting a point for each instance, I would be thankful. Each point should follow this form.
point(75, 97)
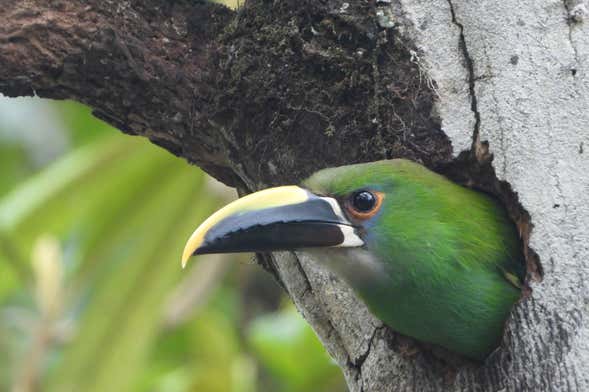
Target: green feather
point(450, 265)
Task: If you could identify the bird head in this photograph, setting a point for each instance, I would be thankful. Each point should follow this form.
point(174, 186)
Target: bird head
point(335, 208)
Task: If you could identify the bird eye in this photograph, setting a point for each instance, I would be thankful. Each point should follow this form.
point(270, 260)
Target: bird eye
point(364, 204)
point(364, 201)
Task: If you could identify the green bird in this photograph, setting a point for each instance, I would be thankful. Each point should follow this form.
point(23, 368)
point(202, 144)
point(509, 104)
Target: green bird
point(433, 260)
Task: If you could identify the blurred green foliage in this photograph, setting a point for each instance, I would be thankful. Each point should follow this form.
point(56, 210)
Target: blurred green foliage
point(290, 350)
point(92, 296)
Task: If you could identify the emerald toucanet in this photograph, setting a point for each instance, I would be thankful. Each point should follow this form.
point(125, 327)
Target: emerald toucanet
point(431, 259)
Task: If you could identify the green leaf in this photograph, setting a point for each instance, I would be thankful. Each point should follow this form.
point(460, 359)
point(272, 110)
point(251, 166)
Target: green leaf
point(56, 181)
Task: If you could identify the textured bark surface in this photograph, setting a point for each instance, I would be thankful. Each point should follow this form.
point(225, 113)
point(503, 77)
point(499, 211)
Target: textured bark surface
point(270, 93)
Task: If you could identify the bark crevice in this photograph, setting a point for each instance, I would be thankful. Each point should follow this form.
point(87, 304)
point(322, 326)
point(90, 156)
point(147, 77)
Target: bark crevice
point(469, 65)
point(575, 13)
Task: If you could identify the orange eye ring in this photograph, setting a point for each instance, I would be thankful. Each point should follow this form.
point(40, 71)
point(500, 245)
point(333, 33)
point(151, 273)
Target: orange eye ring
point(364, 215)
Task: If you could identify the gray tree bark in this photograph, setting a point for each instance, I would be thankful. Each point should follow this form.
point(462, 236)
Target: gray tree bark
point(493, 94)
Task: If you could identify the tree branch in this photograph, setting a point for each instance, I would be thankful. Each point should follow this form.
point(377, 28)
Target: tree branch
point(142, 65)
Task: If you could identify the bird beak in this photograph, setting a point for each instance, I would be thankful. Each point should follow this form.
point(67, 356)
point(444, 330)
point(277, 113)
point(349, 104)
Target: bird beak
point(282, 218)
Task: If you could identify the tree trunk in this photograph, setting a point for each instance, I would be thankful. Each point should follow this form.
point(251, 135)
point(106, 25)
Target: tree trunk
point(270, 93)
